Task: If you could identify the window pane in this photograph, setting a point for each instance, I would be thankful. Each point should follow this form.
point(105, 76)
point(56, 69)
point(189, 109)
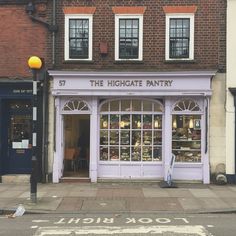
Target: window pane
point(114, 106)
point(147, 121)
point(147, 154)
point(147, 106)
point(136, 153)
point(125, 137)
point(104, 107)
point(136, 121)
point(104, 137)
point(104, 122)
point(122, 24)
point(128, 23)
point(103, 153)
point(114, 121)
point(125, 105)
point(136, 138)
point(114, 154)
point(136, 105)
point(157, 154)
point(135, 24)
point(125, 122)
point(147, 137)
point(125, 154)
point(114, 137)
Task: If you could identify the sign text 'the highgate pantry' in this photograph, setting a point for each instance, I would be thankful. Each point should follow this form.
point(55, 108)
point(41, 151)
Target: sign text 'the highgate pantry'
point(131, 83)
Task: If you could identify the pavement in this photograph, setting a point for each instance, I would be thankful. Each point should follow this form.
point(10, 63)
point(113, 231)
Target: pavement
point(118, 198)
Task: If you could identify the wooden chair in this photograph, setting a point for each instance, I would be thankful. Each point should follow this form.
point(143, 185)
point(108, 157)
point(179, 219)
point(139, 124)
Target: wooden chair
point(83, 160)
point(70, 156)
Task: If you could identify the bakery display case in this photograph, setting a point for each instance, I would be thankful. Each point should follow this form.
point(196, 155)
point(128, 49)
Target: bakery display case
point(186, 138)
point(131, 137)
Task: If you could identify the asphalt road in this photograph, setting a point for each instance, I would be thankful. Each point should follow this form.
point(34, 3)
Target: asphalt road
point(120, 224)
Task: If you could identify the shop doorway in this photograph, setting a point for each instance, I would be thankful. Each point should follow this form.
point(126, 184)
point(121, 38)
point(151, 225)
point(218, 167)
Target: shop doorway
point(76, 145)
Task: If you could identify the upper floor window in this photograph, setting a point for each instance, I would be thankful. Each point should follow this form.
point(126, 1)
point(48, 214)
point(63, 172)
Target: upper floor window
point(179, 36)
point(179, 32)
point(128, 37)
point(78, 37)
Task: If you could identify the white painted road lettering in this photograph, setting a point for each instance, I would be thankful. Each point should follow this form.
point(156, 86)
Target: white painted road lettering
point(194, 230)
point(127, 220)
point(85, 221)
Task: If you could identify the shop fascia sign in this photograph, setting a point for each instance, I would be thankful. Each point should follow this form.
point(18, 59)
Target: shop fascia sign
point(192, 81)
point(113, 83)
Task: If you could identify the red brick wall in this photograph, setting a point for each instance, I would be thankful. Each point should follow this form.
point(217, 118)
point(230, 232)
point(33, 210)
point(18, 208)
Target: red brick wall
point(20, 38)
point(209, 35)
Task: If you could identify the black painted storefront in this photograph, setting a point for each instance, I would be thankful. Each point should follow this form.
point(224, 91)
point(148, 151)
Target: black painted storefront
point(16, 127)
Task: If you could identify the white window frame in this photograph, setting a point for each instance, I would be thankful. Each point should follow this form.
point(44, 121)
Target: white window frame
point(66, 46)
point(129, 16)
point(189, 16)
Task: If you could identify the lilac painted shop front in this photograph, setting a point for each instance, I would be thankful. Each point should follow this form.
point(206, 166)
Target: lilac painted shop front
point(137, 121)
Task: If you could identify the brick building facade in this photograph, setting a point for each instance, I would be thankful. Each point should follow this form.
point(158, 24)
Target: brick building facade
point(209, 35)
point(20, 38)
point(140, 82)
point(104, 68)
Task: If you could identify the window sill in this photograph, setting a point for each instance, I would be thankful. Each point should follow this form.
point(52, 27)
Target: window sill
point(78, 62)
point(180, 61)
point(128, 62)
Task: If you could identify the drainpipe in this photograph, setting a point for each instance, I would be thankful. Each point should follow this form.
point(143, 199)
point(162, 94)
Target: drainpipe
point(53, 33)
point(232, 178)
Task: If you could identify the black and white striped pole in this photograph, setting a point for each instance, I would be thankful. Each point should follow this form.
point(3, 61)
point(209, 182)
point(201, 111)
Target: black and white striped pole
point(35, 64)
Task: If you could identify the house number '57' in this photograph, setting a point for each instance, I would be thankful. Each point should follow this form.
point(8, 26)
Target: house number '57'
point(62, 82)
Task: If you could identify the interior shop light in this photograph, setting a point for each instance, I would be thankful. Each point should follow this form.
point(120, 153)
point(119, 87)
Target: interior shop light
point(174, 124)
point(190, 125)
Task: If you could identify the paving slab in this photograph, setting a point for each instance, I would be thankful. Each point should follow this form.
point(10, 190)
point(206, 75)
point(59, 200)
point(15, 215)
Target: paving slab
point(105, 193)
point(203, 193)
point(104, 205)
point(190, 204)
point(10, 194)
point(231, 202)
point(233, 188)
point(128, 192)
point(70, 204)
point(154, 192)
point(82, 193)
point(154, 204)
point(185, 193)
point(227, 193)
point(213, 203)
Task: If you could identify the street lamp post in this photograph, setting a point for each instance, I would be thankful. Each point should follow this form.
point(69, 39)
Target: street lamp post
point(34, 64)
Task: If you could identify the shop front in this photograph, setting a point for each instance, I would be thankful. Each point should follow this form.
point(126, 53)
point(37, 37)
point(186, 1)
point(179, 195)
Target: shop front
point(129, 125)
point(15, 135)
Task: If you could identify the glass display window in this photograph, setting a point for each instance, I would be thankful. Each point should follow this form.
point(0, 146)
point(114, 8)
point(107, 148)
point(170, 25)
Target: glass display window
point(187, 132)
point(133, 133)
